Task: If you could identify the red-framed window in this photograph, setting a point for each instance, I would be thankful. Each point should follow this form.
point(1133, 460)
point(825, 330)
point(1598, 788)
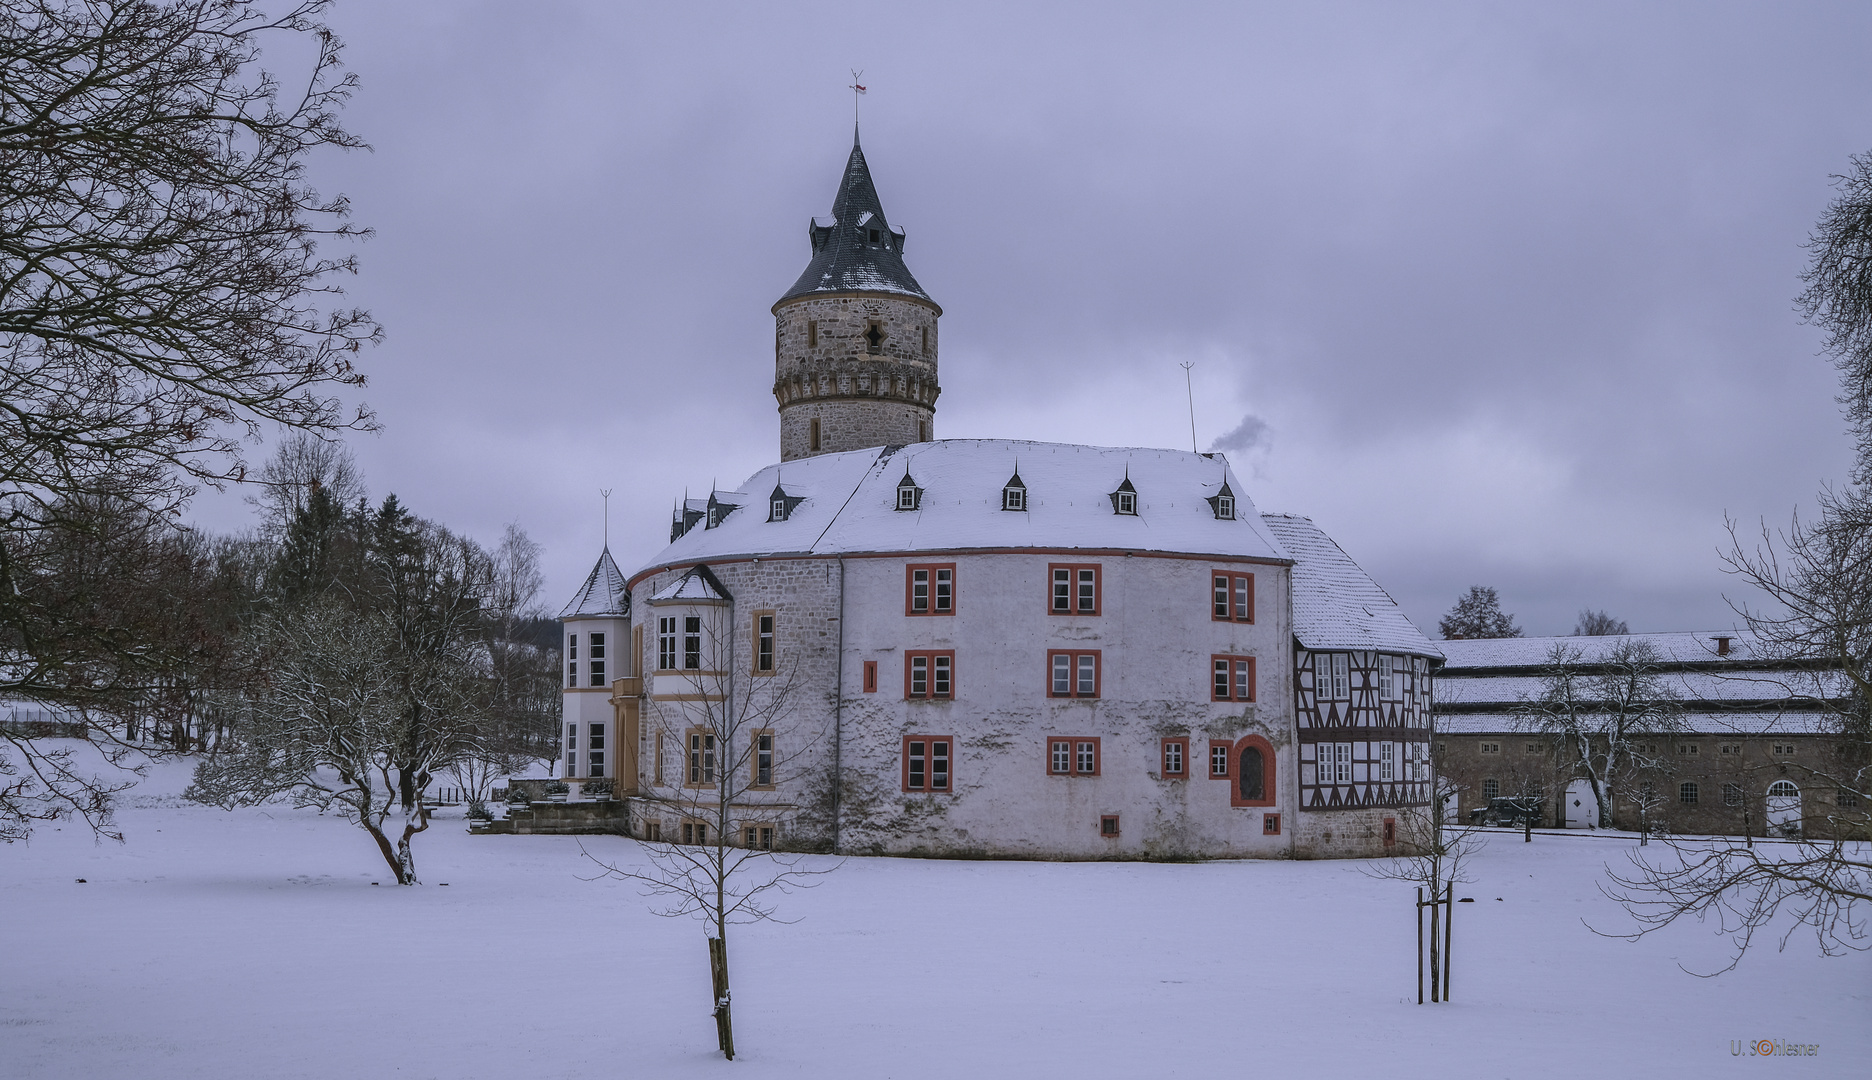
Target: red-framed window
point(1219, 768)
point(1390, 831)
point(1270, 824)
point(870, 676)
point(1108, 826)
point(1073, 589)
point(1173, 754)
point(1251, 758)
point(1073, 673)
point(1231, 596)
point(926, 763)
point(929, 589)
point(1231, 678)
point(929, 673)
point(1072, 755)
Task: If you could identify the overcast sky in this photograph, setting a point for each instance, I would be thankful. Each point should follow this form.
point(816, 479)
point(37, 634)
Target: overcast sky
point(1496, 294)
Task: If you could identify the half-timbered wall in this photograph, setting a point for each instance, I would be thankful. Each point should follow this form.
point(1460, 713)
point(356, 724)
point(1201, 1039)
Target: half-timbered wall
point(1363, 727)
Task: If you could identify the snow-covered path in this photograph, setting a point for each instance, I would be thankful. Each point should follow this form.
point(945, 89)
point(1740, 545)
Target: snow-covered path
point(253, 944)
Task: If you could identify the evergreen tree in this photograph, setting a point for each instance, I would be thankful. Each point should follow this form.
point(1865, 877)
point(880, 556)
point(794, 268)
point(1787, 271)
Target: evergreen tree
point(1478, 615)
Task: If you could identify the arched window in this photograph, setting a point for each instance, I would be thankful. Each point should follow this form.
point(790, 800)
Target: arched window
point(1253, 775)
point(1783, 788)
point(1253, 760)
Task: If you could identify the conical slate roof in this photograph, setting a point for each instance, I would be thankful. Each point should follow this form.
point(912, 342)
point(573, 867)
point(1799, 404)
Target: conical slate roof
point(846, 257)
point(603, 595)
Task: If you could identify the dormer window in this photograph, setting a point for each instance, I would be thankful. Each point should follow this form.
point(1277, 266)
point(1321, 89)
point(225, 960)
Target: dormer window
point(874, 338)
point(1014, 495)
point(1124, 500)
point(780, 504)
point(1223, 503)
point(718, 511)
point(874, 236)
point(909, 496)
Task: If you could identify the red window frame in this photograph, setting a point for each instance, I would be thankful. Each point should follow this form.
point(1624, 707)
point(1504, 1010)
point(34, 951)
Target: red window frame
point(1390, 831)
point(870, 676)
point(927, 775)
point(1076, 748)
point(1108, 826)
point(1239, 668)
point(1270, 824)
point(1268, 772)
point(935, 674)
point(1183, 759)
point(1075, 587)
point(1228, 767)
point(1074, 681)
point(1236, 604)
point(935, 594)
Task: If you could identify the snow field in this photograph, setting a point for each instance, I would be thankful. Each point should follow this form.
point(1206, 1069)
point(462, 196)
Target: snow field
point(252, 944)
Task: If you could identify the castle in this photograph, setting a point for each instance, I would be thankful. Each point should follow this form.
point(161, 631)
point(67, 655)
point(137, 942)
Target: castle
point(892, 643)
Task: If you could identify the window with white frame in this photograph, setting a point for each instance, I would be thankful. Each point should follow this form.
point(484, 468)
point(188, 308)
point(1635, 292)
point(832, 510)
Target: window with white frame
point(763, 759)
point(701, 758)
point(1075, 589)
point(1073, 674)
point(1333, 763)
point(929, 673)
point(1232, 678)
point(692, 643)
point(926, 763)
point(1387, 679)
point(595, 654)
point(764, 643)
point(1387, 761)
point(666, 643)
point(571, 659)
point(595, 750)
point(1219, 759)
point(1332, 676)
point(571, 752)
point(929, 589)
point(1072, 757)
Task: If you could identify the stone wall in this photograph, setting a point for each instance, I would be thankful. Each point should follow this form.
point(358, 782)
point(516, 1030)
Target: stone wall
point(824, 370)
point(1155, 639)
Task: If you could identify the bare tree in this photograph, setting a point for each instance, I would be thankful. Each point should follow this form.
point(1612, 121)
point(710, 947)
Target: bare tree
point(738, 734)
point(1817, 580)
point(1478, 614)
point(302, 463)
point(161, 295)
point(1601, 709)
point(1598, 624)
point(1838, 298)
point(1434, 855)
point(328, 730)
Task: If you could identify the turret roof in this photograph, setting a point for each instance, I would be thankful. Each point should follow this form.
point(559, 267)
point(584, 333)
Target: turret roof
point(603, 595)
point(845, 256)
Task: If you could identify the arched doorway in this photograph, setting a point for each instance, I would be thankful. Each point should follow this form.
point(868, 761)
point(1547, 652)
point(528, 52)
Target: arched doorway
point(1784, 809)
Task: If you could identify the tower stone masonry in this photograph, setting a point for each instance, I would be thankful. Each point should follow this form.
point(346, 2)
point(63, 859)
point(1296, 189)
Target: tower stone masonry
point(855, 337)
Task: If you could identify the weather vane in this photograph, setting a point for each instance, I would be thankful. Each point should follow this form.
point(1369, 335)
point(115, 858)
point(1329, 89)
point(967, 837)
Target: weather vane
point(857, 89)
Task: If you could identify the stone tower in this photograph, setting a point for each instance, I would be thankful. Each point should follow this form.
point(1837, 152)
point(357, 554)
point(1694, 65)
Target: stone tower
point(855, 337)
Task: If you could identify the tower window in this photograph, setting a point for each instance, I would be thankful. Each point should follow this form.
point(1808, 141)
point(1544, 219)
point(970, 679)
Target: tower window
point(874, 338)
point(926, 341)
point(922, 431)
point(813, 433)
point(812, 333)
point(874, 236)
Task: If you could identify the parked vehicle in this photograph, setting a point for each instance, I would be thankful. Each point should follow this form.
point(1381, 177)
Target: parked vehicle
point(1516, 811)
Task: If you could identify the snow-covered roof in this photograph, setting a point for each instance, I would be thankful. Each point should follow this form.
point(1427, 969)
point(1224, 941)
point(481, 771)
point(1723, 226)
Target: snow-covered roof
point(696, 586)
point(1336, 605)
point(1783, 722)
point(604, 593)
point(1533, 651)
point(850, 504)
point(1688, 686)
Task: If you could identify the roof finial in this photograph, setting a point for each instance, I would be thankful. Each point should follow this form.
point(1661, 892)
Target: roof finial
point(857, 89)
point(606, 492)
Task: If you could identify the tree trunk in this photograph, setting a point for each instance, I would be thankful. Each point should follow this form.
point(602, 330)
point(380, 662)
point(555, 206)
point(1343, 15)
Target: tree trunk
point(718, 970)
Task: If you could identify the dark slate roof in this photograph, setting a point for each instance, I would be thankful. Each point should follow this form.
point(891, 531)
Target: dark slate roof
point(603, 594)
point(844, 259)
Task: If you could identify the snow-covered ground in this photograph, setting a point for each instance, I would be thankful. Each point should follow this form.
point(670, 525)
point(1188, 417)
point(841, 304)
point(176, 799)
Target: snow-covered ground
point(253, 944)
